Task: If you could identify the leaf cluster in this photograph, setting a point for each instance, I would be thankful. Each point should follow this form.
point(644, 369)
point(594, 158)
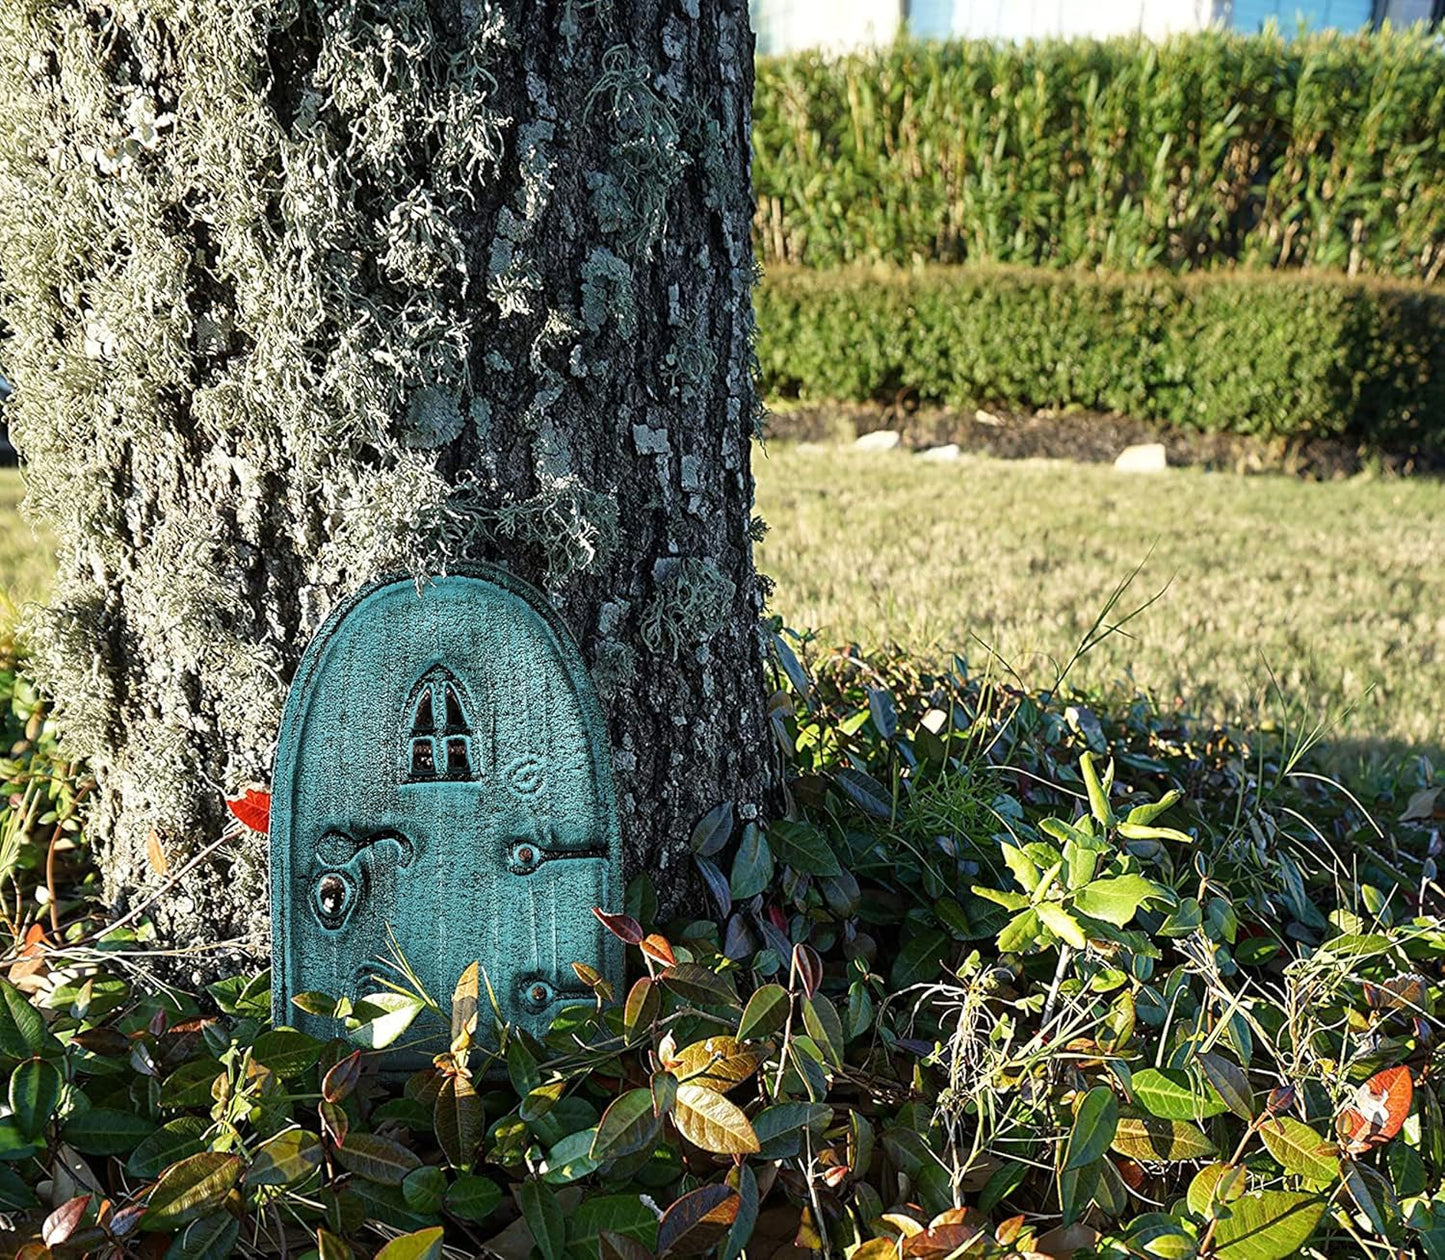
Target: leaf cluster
point(1014, 976)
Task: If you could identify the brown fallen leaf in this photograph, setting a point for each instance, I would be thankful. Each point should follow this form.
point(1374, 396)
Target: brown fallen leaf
point(155, 854)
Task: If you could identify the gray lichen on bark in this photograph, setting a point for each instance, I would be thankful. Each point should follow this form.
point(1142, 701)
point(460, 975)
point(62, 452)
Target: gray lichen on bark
point(308, 292)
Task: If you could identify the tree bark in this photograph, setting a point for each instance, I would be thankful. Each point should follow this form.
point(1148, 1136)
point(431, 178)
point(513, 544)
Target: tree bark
point(307, 293)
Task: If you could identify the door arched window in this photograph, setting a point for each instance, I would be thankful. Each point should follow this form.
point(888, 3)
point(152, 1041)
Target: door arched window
point(439, 739)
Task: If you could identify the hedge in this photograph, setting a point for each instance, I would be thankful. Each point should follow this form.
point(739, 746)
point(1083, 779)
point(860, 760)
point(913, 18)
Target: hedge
point(1265, 354)
point(1204, 150)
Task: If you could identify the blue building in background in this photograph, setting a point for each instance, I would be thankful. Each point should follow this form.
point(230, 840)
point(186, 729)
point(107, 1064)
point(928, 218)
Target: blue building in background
point(840, 25)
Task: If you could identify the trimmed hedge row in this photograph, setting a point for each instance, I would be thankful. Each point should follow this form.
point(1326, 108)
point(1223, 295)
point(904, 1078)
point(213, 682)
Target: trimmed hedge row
point(1265, 354)
point(1202, 150)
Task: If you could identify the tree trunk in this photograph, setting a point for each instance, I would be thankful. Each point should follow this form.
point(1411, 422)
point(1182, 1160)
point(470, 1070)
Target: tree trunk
point(308, 293)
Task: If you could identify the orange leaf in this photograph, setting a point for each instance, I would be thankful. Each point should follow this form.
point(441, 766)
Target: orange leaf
point(658, 947)
point(1377, 1111)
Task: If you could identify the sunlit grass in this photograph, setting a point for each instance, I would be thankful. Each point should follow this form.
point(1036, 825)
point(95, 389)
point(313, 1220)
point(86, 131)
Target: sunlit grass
point(1338, 587)
point(25, 559)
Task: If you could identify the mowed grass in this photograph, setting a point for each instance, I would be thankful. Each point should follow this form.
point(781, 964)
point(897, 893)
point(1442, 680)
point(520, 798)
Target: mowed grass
point(1338, 588)
point(26, 559)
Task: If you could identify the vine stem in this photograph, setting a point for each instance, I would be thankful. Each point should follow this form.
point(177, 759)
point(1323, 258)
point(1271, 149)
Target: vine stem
point(1233, 1163)
point(1066, 952)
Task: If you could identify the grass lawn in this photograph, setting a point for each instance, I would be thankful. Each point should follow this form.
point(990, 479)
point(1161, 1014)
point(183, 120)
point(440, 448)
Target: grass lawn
point(1338, 587)
point(25, 560)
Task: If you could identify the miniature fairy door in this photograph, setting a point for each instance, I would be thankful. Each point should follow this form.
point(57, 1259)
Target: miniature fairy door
point(443, 789)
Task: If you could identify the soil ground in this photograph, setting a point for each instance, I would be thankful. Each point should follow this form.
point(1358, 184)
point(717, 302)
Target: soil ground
point(1085, 436)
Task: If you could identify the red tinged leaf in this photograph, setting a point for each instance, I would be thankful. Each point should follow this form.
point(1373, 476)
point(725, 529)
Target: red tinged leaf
point(696, 1223)
point(621, 1247)
point(1130, 1170)
point(253, 807)
point(341, 1079)
point(334, 1122)
point(809, 968)
point(1281, 1099)
point(623, 926)
point(64, 1221)
point(1405, 992)
point(1377, 1110)
point(126, 1220)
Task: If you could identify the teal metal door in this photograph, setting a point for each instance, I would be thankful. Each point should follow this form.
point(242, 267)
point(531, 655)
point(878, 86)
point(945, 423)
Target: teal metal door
point(442, 782)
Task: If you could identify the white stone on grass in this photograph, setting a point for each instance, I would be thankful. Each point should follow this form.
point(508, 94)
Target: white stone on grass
point(878, 440)
point(940, 454)
point(1149, 457)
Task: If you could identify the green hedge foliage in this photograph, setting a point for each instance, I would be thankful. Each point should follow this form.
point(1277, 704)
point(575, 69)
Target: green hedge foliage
point(1264, 354)
point(1204, 150)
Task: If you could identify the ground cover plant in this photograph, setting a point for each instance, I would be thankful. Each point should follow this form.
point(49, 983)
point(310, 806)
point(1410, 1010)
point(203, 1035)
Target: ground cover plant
point(1010, 976)
point(1201, 151)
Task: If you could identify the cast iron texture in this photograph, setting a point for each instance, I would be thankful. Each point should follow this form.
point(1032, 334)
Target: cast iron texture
point(442, 778)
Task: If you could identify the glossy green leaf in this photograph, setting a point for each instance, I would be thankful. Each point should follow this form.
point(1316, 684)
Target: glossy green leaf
point(472, 1198)
point(1299, 1149)
point(1214, 1184)
point(803, 847)
point(285, 1159)
point(172, 1142)
point(752, 864)
point(106, 1131)
point(820, 1017)
point(699, 984)
point(765, 1013)
point(644, 1001)
point(190, 1189)
point(571, 1159)
point(920, 959)
point(622, 1215)
point(1118, 900)
point(34, 1094)
point(1270, 1225)
point(1149, 1138)
point(1098, 796)
point(213, 1237)
point(1170, 1094)
point(286, 1051)
point(1095, 1123)
point(1061, 923)
point(381, 1018)
point(714, 829)
point(544, 1218)
point(423, 1244)
point(424, 1188)
point(1229, 1081)
point(22, 1028)
point(865, 792)
point(628, 1125)
point(376, 1158)
point(458, 1120)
